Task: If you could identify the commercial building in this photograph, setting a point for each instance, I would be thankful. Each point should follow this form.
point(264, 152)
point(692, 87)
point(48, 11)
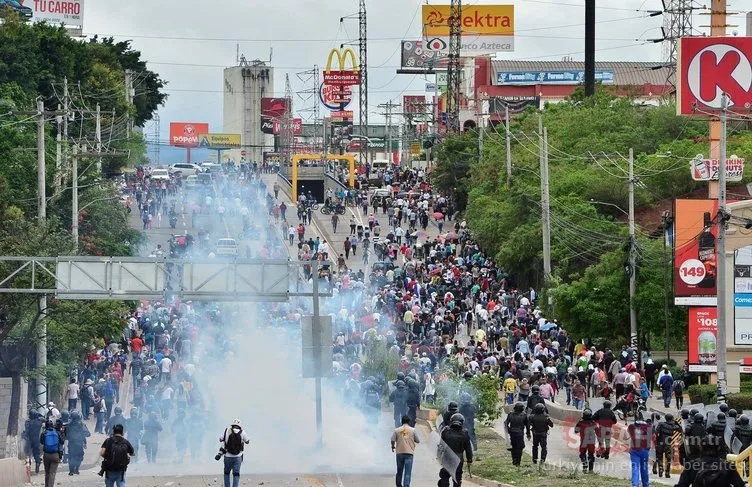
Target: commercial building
point(520, 84)
point(244, 87)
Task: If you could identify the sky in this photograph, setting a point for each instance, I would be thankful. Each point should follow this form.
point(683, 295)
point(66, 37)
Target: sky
point(189, 42)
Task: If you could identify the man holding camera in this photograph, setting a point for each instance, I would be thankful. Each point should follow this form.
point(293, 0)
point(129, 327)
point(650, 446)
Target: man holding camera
point(233, 440)
point(116, 453)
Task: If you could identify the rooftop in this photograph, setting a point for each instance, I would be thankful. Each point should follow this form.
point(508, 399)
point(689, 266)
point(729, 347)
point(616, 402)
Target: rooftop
point(626, 73)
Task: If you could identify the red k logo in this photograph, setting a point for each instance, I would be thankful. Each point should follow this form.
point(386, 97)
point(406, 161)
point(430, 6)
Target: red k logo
point(717, 69)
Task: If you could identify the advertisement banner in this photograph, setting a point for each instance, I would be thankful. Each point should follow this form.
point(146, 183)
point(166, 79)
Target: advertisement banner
point(416, 55)
point(297, 126)
point(267, 125)
point(707, 169)
point(272, 158)
point(342, 117)
point(710, 66)
point(414, 103)
point(274, 107)
point(185, 134)
point(703, 333)
point(486, 29)
point(517, 104)
point(219, 141)
point(56, 12)
point(551, 77)
point(743, 296)
point(695, 250)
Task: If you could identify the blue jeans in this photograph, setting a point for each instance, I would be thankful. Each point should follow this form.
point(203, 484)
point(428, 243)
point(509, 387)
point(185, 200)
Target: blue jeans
point(666, 397)
point(640, 460)
point(579, 403)
point(404, 469)
point(99, 427)
point(114, 479)
point(232, 464)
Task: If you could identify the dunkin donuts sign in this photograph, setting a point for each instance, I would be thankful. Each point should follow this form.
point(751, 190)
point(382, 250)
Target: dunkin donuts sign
point(186, 134)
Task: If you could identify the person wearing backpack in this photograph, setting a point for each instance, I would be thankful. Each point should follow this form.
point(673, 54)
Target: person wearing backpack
point(52, 447)
point(116, 453)
point(233, 440)
point(709, 470)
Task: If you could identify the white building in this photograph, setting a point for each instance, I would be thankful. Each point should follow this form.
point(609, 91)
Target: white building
point(244, 87)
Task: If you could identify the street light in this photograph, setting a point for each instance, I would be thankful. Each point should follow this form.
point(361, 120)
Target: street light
point(609, 204)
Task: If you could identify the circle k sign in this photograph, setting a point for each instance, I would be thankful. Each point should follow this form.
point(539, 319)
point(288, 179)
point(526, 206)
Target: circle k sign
point(710, 67)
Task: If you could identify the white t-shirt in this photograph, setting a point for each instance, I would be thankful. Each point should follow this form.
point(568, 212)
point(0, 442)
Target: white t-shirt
point(166, 364)
point(73, 391)
point(167, 394)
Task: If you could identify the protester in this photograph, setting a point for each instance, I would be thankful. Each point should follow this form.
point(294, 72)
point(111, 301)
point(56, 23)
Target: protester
point(403, 443)
point(116, 453)
point(233, 441)
point(52, 445)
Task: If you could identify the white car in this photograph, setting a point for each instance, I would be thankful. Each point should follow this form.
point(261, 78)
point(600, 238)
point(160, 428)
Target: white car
point(185, 168)
point(227, 246)
point(211, 167)
point(160, 175)
point(191, 181)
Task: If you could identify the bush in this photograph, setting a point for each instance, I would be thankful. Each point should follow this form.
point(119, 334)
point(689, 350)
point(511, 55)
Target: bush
point(740, 401)
point(483, 389)
point(704, 394)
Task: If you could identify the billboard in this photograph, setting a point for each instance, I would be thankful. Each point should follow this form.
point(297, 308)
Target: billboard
point(417, 54)
point(703, 335)
point(571, 77)
point(219, 141)
point(707, 169)
point(414, 103)
point(695, 251)
point(710, 66)
point(185, 134)
point(297, 126)
point(267, 125)
point(516, 103)
point(743, 296)
point(486, 29)
point(68, 12)
point(274, 107)
point(340, 75)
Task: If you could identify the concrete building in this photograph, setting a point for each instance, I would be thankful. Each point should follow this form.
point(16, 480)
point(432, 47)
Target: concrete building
point(244, 87)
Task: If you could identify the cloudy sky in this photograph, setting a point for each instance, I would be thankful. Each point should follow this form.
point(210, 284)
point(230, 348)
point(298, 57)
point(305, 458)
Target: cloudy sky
point(188, 42)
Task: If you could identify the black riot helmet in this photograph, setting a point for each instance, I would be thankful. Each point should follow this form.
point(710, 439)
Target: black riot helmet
point(743, 420)
point(453, 407)
point(587, 414)
point(467, 375)
point(669, 418)
point(457, 420)
point(539, 408)
point(732, 413)
point(401, 376)
point(536, 389)
point(721, 417)
point(723, 408)
point(607, 404)
point(698, 418)
point(519, 407)
point(693, 411)
point(685, 414)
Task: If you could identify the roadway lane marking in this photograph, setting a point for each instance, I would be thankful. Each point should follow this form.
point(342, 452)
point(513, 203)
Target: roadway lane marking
point(339, 481)
point(314, 482)
point(169, 483)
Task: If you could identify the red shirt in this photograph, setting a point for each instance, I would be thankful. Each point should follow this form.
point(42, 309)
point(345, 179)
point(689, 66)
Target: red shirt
point(137, 344)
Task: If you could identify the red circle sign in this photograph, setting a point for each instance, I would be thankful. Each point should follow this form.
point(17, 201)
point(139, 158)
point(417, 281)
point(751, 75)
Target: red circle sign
point(692, 271)
point(243, 153)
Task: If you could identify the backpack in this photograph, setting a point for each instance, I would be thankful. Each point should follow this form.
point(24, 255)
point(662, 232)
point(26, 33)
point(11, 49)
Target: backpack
point(234, 442)
point(710, 477)
point(51, 441)
point(118, 458)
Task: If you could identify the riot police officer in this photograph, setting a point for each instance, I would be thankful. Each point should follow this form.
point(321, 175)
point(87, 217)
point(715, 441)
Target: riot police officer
point(456, 439)
point(452, 409)
point(606, 420)
point(467, 410)
point(516, 425)
point(412, 401)
point(76, 434)
point(718, 431)
point(540, 423)
point(118, 418)
point(588, 430)
point(398, 397)
point(32, 429)
point(135, 429)
point(693, 435)
point(664, 434)
point(535, 398)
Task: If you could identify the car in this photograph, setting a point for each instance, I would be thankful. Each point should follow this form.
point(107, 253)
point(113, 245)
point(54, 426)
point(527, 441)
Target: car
point(204, 178)
point(186, 168)
point(23, 10)
point(211, 167)
point(226, 246)
point(191, 181)
point(160, 175)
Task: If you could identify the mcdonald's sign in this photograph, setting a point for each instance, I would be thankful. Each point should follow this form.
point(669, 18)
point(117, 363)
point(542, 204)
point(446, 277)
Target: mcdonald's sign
point(341, 76)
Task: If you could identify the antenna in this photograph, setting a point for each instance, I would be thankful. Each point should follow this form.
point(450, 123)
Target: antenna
point(271, 52)
point(237, 53)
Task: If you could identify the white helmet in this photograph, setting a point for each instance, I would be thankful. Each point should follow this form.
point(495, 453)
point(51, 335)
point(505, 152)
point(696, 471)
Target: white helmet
point(236, 422)
point(50, 404)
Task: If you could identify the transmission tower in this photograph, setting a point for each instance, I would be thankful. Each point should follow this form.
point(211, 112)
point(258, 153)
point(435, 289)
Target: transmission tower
point(311, 77)
point(156, 139)
point(453, 69)
point(363, 118)
point(677, 23)
point(286, 127)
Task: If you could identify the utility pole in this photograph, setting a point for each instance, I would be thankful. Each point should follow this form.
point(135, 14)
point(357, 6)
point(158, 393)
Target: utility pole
point(666, 224)
point(74, 204)
point(545, 202)
point(633, 334)
point(41, 354)
point(129, 101)
point(721, 258)
point(480, 134)
point(509, 146)
point(718, 26)
point(66, 117)
point(589, 47)
point(58, 152)
point(99, 139)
